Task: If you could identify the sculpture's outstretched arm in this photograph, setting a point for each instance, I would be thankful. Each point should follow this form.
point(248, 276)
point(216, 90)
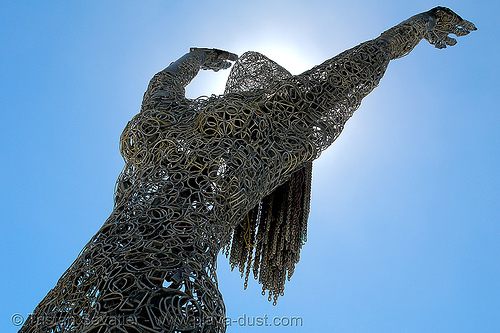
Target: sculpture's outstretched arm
point(170, 82)
point(308, 111)
point(327, 95)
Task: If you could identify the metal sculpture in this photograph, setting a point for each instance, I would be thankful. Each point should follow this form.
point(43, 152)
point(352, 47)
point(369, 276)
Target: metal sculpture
point(229, 172)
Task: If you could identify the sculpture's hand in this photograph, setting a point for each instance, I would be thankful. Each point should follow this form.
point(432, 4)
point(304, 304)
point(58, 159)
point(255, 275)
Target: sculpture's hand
point(215, 59)
point(443, 21)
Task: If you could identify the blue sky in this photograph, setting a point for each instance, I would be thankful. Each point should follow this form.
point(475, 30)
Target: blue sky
point(404, 231)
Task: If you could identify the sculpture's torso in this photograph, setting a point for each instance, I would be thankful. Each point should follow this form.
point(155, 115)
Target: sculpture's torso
point(194, 168)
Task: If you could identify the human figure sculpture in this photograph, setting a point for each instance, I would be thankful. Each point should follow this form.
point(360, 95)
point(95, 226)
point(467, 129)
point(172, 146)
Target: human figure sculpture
point(229, 172)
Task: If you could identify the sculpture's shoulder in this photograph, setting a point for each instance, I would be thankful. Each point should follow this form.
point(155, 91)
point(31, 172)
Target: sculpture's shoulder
point(236, 115)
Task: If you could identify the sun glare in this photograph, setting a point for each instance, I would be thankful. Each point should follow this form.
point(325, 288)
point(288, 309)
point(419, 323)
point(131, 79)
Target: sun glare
point(287, 56)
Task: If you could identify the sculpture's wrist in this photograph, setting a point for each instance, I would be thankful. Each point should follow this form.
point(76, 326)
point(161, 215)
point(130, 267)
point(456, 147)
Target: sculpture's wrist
point(403, 37)
point(186, 67)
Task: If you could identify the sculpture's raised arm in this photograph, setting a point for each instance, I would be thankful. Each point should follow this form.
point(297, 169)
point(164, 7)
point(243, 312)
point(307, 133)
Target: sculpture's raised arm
point(169, 84)
point(318, 102)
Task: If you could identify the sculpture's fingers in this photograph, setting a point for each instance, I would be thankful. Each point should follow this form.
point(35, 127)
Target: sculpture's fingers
point(225, 64)
point(459, 31)
point(232, 56)
point(225, 55)
point(451, 22)
point(433, 38)
point(440, 44)
point(467, 25)
point(449, 41)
